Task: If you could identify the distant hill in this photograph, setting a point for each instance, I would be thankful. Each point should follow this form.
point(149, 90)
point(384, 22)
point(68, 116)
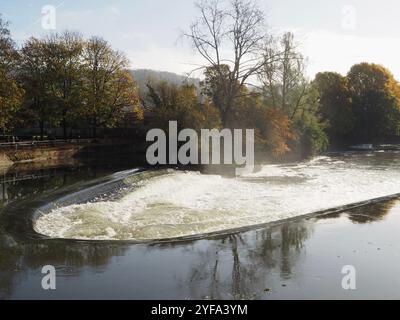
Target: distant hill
point(143, 76)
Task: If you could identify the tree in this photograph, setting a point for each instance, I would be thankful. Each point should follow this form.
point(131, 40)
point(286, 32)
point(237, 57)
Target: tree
point(335, 105)
point(108, 85)
point(283, 75)
point(310, 133)
point(375, 101)
point(168, 102)
point(240, 27)
point(272, 126)
point(215, 85)
point(63, 58)
point(10, 91)
point(285, 87)
point(33, 73)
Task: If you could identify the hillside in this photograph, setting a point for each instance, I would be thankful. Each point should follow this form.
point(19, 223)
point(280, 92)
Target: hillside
point(143, 76)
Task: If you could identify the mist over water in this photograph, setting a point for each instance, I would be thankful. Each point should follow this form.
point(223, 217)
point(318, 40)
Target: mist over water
point(180, 203)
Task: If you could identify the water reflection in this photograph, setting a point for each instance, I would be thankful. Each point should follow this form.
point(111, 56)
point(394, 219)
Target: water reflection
point(25, 181)
point(250, 265)
point(373, 212)
point(246, 266)
point(16, 257)
point(69, 259)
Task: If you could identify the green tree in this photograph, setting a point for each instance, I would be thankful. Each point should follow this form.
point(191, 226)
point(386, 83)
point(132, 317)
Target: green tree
point(375, 102)
point(10, 91)
point(108, 85)
point(311, 135)
point(215, 86)
point(335, 105)
point(34, 76)
point(64, 72)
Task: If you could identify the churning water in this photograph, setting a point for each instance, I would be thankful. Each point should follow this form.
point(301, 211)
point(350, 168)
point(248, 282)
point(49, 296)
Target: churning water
point(176, 203)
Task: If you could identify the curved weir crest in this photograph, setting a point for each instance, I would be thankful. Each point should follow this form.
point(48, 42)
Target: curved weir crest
point(171, 204)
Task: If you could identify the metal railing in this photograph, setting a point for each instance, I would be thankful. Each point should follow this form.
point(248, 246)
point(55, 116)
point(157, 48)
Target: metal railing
point(44, 143)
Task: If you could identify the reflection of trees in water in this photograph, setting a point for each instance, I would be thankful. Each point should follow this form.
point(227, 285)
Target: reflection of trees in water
point(233, 266)
point(72, 256)
point(243, 265)
point(365, 214)
point(20, 185)
point(10, 262)
point(371, 213)
point(69, 258)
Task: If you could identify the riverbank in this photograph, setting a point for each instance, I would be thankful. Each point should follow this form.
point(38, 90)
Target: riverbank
point(60, 151)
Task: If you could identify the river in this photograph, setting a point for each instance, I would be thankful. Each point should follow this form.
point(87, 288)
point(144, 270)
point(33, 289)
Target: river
point(173, 234)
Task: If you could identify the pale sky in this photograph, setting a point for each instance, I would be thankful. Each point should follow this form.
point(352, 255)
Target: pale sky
point(334, 34)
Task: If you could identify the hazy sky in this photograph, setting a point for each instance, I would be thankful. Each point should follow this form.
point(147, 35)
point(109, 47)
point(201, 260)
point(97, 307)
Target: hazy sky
point(334, 34)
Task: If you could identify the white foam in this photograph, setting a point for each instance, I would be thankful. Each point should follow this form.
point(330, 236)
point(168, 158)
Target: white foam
point(180, 204)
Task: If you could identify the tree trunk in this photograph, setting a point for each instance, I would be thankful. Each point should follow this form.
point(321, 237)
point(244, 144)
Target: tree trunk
point(94, 127)
point(64, 126)
point(41, 125)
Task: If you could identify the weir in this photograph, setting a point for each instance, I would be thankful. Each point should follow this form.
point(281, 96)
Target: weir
point(173, 205)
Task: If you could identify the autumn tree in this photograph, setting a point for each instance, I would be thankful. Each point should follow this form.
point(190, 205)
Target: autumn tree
point(10, 91)
point(168, 102)
point(108, 85)
point(335, 105)
point(375, 102)
point(272, 126)
point(230, 40)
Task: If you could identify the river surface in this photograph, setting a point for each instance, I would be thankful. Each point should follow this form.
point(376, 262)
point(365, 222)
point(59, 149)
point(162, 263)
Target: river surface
point(302, 257)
